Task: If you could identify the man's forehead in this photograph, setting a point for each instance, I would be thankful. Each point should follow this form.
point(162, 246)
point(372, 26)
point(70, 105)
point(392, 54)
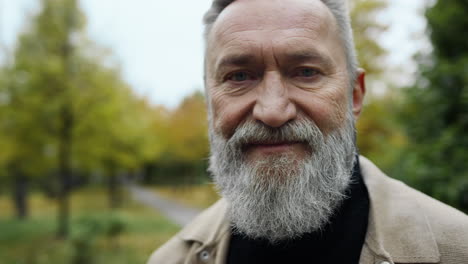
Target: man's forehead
point(245, 15)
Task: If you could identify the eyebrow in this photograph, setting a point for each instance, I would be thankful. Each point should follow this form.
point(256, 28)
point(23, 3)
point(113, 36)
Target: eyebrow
point(300, 56)
point(235, 60)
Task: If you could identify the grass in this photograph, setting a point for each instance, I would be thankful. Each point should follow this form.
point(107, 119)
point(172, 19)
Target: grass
point(33, 241)
point(196, 196)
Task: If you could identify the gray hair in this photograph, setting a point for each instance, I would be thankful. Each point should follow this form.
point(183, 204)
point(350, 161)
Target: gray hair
point(339, 9)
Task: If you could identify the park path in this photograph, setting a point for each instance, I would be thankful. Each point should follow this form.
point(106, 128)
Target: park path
point(174, 211)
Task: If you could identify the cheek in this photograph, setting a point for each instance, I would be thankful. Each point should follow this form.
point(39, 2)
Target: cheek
point(326, 109)
point(229, 112)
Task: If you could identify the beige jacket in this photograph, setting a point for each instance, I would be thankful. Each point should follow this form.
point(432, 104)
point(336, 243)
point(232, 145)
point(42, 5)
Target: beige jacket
point(405, 226)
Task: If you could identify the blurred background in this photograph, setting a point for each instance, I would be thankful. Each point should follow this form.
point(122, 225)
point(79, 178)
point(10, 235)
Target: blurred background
point(103, 131)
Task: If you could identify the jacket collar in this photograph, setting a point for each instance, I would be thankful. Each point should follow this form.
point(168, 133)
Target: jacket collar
point(397, 230)
point(208, 227)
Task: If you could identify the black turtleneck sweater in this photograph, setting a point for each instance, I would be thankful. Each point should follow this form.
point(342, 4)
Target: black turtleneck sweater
point(340, 241)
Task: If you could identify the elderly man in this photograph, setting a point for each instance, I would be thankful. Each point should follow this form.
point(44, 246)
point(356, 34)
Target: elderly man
point(283, 92)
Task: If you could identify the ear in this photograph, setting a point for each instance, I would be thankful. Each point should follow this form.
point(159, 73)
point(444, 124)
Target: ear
point(359, 90)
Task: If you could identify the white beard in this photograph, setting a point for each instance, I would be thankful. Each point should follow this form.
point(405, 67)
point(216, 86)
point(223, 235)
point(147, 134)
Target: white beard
point(283, 196)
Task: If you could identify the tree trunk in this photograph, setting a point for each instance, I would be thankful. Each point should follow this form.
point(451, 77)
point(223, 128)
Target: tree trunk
point(67, 121)
point(20, 196)
point(65, 145)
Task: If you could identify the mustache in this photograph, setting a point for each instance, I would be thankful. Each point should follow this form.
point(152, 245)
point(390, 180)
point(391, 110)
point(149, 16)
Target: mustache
point(256, 132)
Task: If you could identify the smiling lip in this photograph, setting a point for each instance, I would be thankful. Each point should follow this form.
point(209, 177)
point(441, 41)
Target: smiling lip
point(271, 148)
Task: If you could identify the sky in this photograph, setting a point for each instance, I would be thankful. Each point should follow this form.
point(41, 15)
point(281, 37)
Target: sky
point(159, 43)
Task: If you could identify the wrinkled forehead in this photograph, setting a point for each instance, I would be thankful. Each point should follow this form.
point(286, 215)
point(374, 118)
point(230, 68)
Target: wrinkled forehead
point(273, 15)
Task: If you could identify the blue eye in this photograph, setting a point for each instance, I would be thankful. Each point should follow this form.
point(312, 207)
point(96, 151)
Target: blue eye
point(307, 72)
point(240, 76)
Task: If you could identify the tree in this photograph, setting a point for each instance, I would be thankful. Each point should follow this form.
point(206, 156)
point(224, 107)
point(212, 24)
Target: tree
point(114, 134)
point(381, 136)
point(436, 112)
point(73, 112)
point(183, 133)
point(46, 54)
point(22, 157)
point(189, 126)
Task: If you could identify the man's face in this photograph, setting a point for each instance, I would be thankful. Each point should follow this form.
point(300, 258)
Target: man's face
point(276, 61)
point(281, 123)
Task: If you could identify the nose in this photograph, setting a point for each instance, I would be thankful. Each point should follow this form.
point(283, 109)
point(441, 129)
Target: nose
point(273, 106)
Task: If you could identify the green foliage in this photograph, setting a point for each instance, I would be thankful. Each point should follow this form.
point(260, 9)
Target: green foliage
point(183, 137)
point(380, 135)
point(366, 31)
point(83, 240)
point(88, 229)
point(188, 125)
point(436, 112)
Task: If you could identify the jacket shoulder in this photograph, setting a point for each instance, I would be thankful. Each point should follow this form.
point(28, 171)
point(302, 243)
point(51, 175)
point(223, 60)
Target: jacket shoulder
point(449, 226)
point(208, 227)
point(406, 209)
